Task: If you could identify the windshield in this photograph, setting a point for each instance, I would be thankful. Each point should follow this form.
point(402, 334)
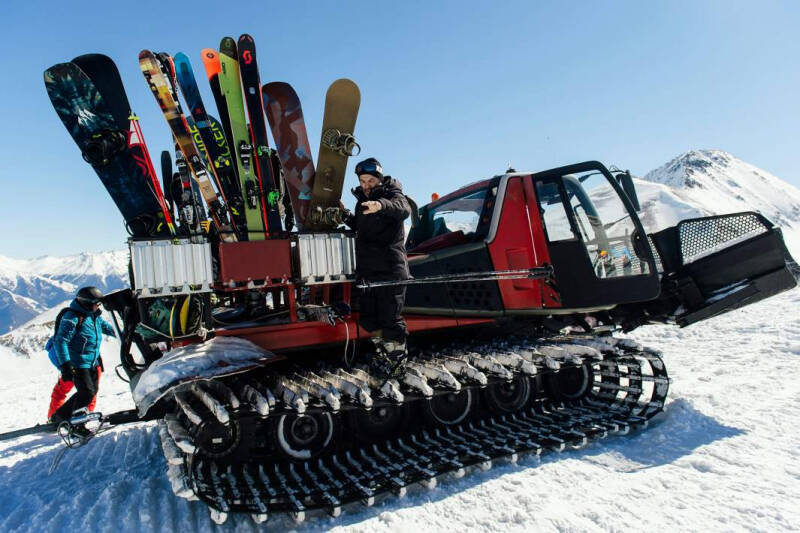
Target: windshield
point(597, 216)
point(462, 214)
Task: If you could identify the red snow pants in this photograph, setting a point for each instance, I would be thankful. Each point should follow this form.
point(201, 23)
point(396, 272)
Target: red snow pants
point(60, 392)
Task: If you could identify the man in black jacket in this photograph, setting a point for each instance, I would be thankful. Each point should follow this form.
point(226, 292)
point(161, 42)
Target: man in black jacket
point(380, 211)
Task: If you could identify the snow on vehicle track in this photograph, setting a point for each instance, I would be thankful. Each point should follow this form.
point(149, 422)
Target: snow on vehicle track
point(724, 455)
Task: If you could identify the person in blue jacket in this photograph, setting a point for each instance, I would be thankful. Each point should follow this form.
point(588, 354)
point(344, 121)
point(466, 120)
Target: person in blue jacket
point(76, 347)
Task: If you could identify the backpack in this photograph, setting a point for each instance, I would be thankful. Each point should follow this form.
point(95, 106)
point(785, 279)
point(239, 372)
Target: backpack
point(50, 346)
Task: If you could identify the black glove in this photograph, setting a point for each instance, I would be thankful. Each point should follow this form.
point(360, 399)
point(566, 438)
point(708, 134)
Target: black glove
point(67, 373)
point(100, 364)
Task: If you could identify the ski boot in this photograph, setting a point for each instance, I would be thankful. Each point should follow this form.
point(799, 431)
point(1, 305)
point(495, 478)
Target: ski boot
point(388, 359)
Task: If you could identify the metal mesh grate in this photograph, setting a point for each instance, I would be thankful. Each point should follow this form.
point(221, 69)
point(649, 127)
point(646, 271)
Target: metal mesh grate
point(659, 266)
point(701, 237)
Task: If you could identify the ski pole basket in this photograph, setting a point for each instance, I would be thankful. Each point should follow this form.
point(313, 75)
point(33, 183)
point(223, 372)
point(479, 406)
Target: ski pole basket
point(169, 267)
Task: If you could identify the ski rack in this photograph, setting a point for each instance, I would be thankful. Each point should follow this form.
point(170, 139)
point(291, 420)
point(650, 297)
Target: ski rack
point(325, 257)
point(170, 267)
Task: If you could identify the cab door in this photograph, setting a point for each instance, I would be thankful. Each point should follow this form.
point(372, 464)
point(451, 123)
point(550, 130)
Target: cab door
point(595, 240)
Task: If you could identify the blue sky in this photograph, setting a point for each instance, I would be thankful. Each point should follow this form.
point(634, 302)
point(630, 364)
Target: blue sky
point(451, 91)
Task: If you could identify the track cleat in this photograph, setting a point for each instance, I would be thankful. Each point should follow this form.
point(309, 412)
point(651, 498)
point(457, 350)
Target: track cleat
point(257, 401)
point(179, 434)
point(350, 387)
point(490, 365)
point(212, 404)
point(319, 392)
point(389, 389)
point(415, 380)
point(463, 369)
point(437, 373)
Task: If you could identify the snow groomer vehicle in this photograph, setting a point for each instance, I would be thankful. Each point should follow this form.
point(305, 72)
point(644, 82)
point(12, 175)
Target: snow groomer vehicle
point(240, 330)
point(250, 350)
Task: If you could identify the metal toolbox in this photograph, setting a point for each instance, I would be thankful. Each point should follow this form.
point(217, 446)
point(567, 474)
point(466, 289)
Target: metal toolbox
point(167, 267)
point(325, 257)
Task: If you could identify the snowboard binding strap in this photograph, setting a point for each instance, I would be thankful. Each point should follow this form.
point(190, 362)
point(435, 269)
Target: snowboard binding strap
point(327, 217)
point(102, 146)
point(342, 143)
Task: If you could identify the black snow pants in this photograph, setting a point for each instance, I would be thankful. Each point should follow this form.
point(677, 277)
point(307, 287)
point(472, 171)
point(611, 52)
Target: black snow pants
point(381, 308)
point(85, 380)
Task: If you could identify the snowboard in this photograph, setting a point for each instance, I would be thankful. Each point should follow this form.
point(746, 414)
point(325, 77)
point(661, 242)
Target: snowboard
point(288, 128)
point(336, 145)
point(251, 84)
point(240, 143)
point(104, 74)
point(163, 90)
point(212, 138)
point(106, 143)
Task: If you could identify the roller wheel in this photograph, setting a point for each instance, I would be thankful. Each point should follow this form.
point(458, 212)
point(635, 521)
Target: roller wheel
point(304, 436)
point(217, 440)
point(450, 409)
point(571, 383)
point(379, 423)
point(508, 397)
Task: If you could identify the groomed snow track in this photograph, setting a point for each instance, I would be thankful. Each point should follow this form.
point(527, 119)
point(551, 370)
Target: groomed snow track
point(227, 441)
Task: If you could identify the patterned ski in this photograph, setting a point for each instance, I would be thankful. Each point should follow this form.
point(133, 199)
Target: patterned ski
point(213, 140)
point(251, 84)
point(336, 145)
point(105, 145)
point(231, 86)
point(104, 74)
point(285, 117)
point(162, 89)
point(213, 68)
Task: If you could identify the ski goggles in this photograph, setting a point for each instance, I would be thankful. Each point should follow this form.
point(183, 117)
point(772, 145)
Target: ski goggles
point(368, 167)
point(90, 301)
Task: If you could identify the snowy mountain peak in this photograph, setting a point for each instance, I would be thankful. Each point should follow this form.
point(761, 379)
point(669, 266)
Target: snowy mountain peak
point(717, 182)
point(29, 286)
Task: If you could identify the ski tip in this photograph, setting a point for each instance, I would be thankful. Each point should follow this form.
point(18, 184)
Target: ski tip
point(227, 46)
point(246, 38)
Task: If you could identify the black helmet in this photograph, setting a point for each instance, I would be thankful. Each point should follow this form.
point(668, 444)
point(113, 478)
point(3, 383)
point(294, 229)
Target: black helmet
point(89, 295)
point(370, 166)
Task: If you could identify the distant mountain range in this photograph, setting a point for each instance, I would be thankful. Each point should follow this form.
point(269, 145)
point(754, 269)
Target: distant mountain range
point(29, 287)
point(696, 183)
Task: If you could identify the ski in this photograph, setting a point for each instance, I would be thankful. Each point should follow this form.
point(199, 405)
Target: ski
point(166, 179)
point(104, 74)
point(103, 142)
point(336, 145)
point(213, 68)
point(285, 117)
point(251, 84)
point(162, 89)
point(191, 198)
point(231, 86)
point(212, 137)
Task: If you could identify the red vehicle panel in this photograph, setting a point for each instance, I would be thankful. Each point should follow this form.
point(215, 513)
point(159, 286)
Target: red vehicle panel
point(519, 242)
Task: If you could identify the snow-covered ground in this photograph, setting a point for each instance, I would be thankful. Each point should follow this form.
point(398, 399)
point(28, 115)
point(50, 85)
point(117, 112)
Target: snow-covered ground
point(723, 455)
